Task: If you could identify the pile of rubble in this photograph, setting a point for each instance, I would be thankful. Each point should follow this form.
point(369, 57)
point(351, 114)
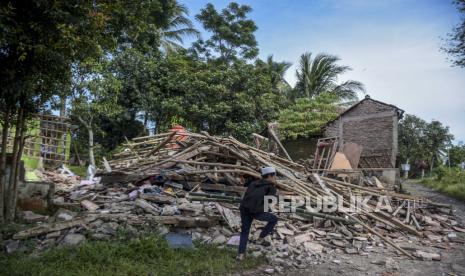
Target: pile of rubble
point(190, 183)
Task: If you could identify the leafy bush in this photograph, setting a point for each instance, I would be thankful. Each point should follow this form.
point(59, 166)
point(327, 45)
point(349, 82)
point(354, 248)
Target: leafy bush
point(306, 117)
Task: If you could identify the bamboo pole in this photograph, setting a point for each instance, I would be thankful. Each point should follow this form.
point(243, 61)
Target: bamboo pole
point(387, 240)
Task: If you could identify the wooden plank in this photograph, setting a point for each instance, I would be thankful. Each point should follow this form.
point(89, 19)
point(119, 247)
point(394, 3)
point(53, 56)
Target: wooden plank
point(353, 152)
point(233, 221)
point(276, 139)
point(159, 146)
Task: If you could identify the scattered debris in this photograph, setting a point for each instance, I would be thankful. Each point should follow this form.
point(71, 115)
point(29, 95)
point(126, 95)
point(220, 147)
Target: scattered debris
point(191, 187)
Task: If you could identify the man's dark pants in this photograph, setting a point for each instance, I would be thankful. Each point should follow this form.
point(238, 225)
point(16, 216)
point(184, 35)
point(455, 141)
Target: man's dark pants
point(247, 219)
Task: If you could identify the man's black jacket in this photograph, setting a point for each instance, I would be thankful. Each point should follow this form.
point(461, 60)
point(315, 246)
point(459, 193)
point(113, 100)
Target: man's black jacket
point(253, 199)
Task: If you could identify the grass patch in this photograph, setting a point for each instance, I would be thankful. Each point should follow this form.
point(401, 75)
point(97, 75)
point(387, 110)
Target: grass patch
point(146, 256)
point(448, 181)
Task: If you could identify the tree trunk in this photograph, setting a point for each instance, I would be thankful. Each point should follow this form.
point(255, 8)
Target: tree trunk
point(63, 106)
point(62, 135)
point(5, 130)
point(88, 126)
point(10, 204)
point(91, 147)
point(431, 165)
point(17, 167)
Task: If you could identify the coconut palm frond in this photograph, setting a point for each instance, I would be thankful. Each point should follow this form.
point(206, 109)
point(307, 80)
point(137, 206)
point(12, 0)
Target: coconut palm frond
point(320, 73)
point(348, 90)
point(179, 26)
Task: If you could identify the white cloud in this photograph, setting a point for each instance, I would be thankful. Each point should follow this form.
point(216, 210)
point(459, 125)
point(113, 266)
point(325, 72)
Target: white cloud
point(400, 64)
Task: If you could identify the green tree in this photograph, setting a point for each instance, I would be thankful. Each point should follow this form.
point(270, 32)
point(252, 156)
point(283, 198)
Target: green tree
point(93, 97)
point(127, 74)
point(232, 33)
point(411, 139)
point(438, 138)
point(320, 74)
point(277, 70)
point(421, 142)
point(39, 41)
point(457, 154)
point(456, 41)
point(176, 26)
point(306, 117)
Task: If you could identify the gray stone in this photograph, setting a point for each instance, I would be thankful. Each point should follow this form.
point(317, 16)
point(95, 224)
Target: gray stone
point(279, 269)
point(346, 232)
point(163, 230)
point(31, 217)
point(65, 215)
point(206, 239)
point(300, 266)
point(109, 228)
point(226, 231)
point(351, 250)
point(256, 254)
point(219, 239)
point(73, 239)
point(283, 247)
point(357, 244)
point(53, 235)
point(334, 235)
point(281, 262)
point(76, 194)
point(196, 236)
point(427, 256)
point(313, 247)
point(96, 224)
point(58, 200)
point(12, 246)
point(338, 243)
point(391, 264)
point(169, 210)
point(269, 270)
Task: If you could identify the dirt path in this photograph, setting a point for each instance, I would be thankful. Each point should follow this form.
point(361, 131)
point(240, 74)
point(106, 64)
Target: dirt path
point(385, 261)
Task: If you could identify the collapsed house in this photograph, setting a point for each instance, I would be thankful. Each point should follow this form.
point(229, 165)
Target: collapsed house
point(373, 125)
point(191, 183)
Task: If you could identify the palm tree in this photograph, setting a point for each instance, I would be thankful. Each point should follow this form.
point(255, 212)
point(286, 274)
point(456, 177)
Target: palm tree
point(277, 71)
point(320, 74)
point(177, 26)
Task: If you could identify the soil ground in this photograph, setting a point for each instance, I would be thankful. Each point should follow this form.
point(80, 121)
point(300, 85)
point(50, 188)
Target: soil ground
point(387, 262)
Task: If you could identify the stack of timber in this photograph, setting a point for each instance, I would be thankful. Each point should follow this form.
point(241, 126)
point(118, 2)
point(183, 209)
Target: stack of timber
point(202, 162)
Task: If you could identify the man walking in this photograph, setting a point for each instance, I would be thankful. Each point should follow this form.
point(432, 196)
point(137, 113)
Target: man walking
point(252, 207)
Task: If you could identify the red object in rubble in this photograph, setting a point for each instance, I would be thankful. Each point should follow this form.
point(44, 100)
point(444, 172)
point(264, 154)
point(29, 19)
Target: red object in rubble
point(180, 131)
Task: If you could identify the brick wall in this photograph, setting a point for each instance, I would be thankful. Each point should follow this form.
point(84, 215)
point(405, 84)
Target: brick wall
point(372, 125)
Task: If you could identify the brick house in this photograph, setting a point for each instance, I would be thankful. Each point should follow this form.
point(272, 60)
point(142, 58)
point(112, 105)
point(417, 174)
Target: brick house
point(373, 125)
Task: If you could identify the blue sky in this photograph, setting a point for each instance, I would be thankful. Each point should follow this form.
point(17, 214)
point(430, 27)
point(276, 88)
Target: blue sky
point(393, 47)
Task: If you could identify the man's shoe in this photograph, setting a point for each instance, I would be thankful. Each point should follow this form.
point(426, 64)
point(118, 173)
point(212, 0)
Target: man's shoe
point(240, 257)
